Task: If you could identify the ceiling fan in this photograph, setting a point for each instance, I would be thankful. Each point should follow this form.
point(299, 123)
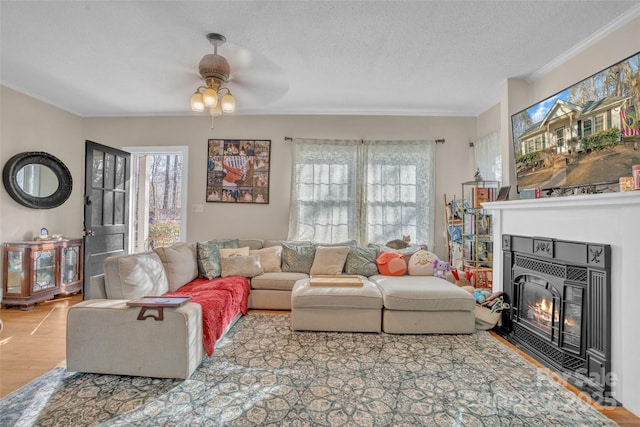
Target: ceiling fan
point(255, 77)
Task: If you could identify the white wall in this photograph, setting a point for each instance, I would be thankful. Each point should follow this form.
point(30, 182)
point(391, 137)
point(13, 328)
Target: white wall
point(31, 125)
point(454, 159)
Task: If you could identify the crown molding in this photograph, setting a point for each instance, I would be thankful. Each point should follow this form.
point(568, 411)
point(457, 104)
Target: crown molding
point(586, 43)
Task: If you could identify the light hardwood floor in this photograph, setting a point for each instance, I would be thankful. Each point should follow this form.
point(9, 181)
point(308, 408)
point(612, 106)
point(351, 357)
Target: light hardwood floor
point(33, 342)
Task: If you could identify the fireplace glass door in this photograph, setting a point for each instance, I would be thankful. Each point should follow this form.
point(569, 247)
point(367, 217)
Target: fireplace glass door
point(539, 307)
point(572, 323)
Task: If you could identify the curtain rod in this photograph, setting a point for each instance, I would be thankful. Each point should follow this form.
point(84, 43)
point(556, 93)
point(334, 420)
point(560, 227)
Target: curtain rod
point(437, 141)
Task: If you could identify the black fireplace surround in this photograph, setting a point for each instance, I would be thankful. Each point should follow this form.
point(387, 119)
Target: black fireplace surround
point(560, 294)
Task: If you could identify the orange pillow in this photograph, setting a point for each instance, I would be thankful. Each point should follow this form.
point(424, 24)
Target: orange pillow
point(391, 264)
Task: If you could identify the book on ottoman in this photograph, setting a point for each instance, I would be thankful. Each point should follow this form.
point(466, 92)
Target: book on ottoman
point(340, 280)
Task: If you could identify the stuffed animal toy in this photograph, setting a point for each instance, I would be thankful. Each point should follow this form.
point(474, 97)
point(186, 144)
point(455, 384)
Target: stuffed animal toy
point(440, 268)
point(481, 295)
point(391, 264)
point(421, 263)
point(467, 280)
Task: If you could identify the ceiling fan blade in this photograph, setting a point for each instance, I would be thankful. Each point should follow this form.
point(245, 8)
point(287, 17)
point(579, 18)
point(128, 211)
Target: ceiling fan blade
point(255, 79)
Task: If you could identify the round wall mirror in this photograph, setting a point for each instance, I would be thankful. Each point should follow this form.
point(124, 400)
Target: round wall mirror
point(37, 180)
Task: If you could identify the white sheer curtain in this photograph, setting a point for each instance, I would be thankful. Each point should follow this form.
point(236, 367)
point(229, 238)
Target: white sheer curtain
point(369, 191)
point(325, 190)
point(488, 156)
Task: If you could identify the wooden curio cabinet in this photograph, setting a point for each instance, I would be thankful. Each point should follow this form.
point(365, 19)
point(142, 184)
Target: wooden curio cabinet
point(38, 271)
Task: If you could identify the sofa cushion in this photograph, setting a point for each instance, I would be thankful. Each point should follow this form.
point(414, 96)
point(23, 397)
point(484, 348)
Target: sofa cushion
point(297, 258)
point(227, 252)
point(361, 261)
point(422, 293)
point(180, 264)
point(208, 259)
point(270, 258)
point(391, 264)
point(329, 260)
point(134, 276)
point(227, 243)
point(283, 281)
point(267, 243)
point(421, 263)
point(253, 244)
point(246, 266)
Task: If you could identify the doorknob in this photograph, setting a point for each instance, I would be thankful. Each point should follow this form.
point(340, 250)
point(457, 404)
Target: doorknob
point(88, 200)
point(88, 233)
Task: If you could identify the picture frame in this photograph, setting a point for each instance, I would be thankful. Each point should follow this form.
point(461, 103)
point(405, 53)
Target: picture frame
point(503, 193)
point(238, 170)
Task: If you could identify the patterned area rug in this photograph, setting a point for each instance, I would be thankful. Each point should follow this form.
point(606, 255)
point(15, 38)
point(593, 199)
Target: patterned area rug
point(262, 373)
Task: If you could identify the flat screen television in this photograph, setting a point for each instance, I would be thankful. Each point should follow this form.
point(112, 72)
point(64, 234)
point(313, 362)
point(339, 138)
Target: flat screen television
point(584, 136)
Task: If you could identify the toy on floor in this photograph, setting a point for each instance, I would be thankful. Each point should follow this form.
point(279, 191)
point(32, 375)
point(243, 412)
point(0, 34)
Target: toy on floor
point(481, 295)
point(467, 280)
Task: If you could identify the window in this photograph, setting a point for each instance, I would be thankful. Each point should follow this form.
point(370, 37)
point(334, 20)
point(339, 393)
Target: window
point(599, 122)
point(368, 191)
point(560, 137)
point(586, 128)
point(488, 156)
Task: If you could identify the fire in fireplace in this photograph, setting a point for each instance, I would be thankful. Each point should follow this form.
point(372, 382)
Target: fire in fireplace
point(560, 297)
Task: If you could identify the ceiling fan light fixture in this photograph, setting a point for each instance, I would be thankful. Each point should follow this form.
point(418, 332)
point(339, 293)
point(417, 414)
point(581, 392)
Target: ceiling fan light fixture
point(215, 71)
point(197, 104)
point(210, 97)
point(228, 103)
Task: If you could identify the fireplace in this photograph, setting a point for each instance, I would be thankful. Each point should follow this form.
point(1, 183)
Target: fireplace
point(560, 297)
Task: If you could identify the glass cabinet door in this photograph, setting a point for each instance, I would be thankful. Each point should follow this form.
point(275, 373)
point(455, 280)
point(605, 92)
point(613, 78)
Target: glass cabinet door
point(15, 272)
point(44, 269)
point(70, 264)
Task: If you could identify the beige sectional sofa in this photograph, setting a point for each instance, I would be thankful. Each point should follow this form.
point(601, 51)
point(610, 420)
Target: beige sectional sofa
point(103, 335)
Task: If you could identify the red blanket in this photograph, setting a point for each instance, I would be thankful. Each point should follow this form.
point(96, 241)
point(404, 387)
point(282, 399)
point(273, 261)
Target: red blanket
point(221, 300)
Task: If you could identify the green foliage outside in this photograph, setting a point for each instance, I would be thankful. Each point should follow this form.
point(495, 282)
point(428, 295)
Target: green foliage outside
point(164, 234)
point(529, 158)
point(603, 139)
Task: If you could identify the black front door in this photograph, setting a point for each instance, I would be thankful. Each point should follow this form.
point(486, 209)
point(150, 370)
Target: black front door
point(106, 209)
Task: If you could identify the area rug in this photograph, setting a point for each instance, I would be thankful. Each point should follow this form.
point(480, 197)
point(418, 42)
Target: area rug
point(263, 373)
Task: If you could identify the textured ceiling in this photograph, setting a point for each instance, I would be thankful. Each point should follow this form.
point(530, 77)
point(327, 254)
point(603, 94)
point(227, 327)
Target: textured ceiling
point(139, 58)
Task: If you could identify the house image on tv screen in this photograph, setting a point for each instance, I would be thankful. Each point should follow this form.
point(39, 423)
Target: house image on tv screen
point(585, 135)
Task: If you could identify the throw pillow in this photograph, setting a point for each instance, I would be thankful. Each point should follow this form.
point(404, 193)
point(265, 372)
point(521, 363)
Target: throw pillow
point(391, 264)
point(247, 266)
point(329, 260)
point(180, 264)
point(134, 276)
point(361, 261)
point(208, 259)
point(227, 252)
point(297, 258)
point(227, 243)
point(421, 263)
point(270, 258)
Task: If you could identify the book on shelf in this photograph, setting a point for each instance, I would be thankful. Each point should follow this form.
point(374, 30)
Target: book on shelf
point(480, 252)
point(477, 223)
point(482, 195)
point(484, 223)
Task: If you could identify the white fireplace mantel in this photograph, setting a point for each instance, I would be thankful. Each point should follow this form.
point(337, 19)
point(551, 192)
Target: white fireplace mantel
point(610, 218)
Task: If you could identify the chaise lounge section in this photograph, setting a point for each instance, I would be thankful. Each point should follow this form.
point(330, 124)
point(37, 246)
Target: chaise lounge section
point(105, 336)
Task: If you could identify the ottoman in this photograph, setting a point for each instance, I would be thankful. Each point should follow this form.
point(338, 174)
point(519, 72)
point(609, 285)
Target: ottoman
point(425, 305)
point(336, 308)
point(105, 337)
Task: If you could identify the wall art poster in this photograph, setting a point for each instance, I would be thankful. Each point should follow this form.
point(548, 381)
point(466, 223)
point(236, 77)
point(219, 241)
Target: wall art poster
point(238, 170)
